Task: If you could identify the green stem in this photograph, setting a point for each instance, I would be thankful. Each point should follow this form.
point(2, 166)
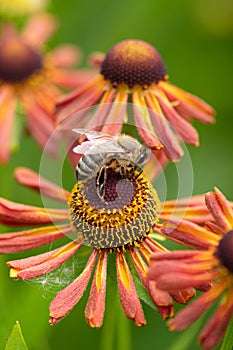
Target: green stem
point(228, 338)
point(123, 334)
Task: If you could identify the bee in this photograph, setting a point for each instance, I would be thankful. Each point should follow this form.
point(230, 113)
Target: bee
point(123, 153)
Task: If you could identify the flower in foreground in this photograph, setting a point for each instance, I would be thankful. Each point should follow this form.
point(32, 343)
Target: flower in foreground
point(133, 71)
point(121, 225)
point(30, 81)
point(211, 262)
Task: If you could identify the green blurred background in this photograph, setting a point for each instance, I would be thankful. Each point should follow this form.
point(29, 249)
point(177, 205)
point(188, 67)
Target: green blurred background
point(195, 40)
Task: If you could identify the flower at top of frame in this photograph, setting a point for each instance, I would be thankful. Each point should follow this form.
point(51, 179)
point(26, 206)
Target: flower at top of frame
point(133, 71)
point(211, 262)
point(22, 7)
point(31, 80)
point(115, 212)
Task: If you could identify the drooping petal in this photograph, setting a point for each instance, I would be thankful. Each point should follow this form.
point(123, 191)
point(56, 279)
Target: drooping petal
point(40, 123)
point(188, 103)
point(12, 213)
point(23, 240)
point(216, 327)
point(44, 263)
point(29, 178)
point(94, 312)
point(101, 112)
point(128, 295)
point(82, 98)
point(192, 312)
point(162, 299)
point(38, 29)
point(163, 129)
point(7, 110)
point(114, 120)
point(67, 298)
point(143, 121)
point(183, 128)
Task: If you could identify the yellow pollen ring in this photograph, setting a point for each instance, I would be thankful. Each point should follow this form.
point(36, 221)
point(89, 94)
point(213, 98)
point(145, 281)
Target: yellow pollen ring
point(115, 227)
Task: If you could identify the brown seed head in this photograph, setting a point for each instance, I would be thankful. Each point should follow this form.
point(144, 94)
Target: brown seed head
point(133, 62)
point(18, 61)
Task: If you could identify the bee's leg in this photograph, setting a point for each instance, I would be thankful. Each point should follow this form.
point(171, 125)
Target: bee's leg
point(100, 182)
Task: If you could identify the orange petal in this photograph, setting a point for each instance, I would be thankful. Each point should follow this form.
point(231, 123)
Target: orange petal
point(161, 299)
point(115, 117)
point(28, 239)
point(81, 98)
point(12, 213)
point(143, 121)
point(183, 128)
point(31, 179)
point(163, 129)
point(192, 312)
point(95, 308)
point(189, 234)
point(128, 295)
point(67, 298)
point(188, 103)
point(217, 325)
point(44, 263)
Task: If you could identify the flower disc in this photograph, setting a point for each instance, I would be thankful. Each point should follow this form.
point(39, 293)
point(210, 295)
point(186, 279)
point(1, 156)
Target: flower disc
point(225, 250)
point(126, 213)
point(133, 62)
point(18, 61)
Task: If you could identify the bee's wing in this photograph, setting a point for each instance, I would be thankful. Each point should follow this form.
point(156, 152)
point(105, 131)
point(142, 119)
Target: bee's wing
point(93, 135)
point(97, 143)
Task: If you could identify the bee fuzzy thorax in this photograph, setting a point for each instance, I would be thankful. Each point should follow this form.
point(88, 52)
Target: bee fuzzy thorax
point(126, 213)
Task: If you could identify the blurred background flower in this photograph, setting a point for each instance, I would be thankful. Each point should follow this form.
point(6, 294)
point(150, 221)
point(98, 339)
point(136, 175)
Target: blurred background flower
point(21, 7)
point(30, 80)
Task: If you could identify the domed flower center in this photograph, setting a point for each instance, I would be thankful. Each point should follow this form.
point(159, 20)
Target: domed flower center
point(122, 214)
point(225, 250)
point(18, 61)
point(133, 62)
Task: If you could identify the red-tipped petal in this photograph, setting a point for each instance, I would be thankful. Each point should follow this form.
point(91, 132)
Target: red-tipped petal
point(128, 295)
point(143, 122)
point(115, 117)
point(162, 299)
point(67, 298)
point(31, 179)
point(12, 213)
point(191, 313)
point(44, 263)
point(189, 234)
point(163, 129)
point(189, 104)
point(28, 239)
point(183, 128)
point(94, 312)
point(216, 327)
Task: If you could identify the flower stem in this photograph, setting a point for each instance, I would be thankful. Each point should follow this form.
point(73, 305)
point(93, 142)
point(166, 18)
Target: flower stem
point(123, 334)
point(228, 338)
